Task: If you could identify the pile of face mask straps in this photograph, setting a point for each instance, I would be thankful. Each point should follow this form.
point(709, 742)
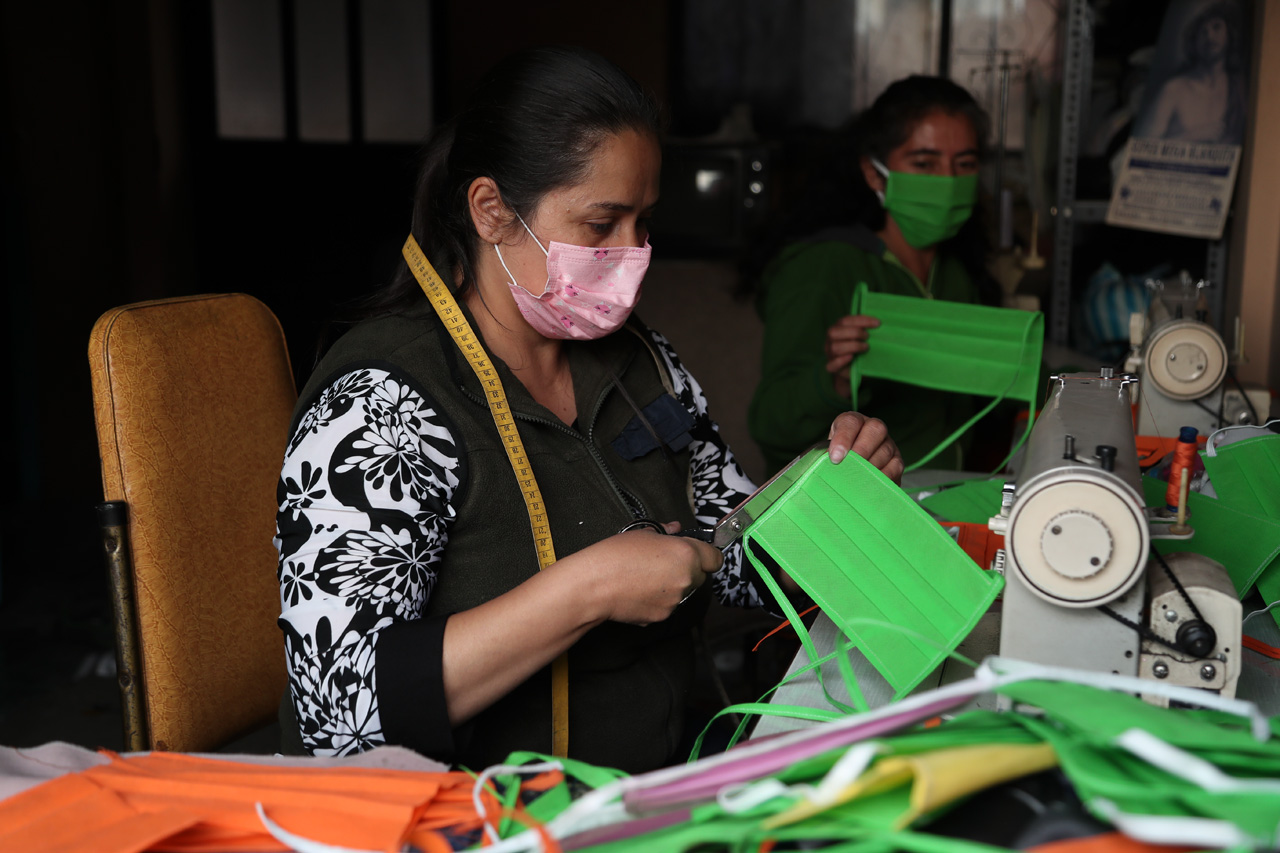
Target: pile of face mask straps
point(878, 780)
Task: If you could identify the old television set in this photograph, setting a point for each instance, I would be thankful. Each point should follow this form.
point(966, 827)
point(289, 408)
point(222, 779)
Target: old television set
point(715, 197)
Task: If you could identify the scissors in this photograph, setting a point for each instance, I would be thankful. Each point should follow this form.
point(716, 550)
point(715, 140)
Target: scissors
point(730, 528)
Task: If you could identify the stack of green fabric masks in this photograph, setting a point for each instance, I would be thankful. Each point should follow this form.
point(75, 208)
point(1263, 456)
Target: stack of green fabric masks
point(1190, 777)
point(1246, 477)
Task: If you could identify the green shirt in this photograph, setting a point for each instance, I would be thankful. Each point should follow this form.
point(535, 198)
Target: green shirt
point(805, 290)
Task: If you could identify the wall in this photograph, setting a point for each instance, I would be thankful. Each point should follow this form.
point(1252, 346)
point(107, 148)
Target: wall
point(718, 336)
point(86, 227)
point(1254, 267)
point(115, 188)
point(634, 37)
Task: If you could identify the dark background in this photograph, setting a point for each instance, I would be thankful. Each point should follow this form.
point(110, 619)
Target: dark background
point(117, 188)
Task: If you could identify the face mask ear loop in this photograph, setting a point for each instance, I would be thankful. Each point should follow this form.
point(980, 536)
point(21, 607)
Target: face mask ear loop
point(499, 251)
point(884, 172)
point(504, 265)
point(531, 234)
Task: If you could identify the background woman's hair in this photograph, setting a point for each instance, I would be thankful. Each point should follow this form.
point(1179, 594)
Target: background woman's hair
point(838, 194)
point(532, 125)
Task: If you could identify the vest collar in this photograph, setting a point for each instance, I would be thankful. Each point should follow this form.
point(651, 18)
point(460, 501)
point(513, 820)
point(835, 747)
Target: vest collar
point(594, 364)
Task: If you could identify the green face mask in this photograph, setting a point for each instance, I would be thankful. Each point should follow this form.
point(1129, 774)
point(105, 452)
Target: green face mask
point(927, 208)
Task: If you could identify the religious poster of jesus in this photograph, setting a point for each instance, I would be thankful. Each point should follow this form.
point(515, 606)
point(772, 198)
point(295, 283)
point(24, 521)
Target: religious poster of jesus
point(1198, 87)
point(1179, 169)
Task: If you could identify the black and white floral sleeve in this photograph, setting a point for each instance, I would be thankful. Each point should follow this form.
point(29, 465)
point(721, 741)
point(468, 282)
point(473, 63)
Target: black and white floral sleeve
point(365, 500)
point(719, 483)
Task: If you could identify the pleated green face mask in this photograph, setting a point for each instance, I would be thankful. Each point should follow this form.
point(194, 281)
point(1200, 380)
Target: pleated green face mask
point(887, 574)
point(951, 346)
point(928, 208)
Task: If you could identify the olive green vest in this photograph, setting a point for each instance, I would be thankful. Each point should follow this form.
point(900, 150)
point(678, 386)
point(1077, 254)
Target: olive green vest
point(627, 684)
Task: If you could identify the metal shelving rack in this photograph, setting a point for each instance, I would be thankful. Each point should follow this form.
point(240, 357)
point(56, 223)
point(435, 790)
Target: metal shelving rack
point(1077, 76)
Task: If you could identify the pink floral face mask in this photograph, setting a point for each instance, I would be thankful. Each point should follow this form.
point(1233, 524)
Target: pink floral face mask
point(589, 292)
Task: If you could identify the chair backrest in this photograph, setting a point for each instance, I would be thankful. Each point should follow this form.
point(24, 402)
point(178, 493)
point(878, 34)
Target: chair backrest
point(192, 399)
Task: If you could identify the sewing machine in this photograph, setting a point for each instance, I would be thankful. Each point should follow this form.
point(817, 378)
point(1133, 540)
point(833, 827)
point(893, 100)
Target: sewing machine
point(1183, 363)
point(1083, 586)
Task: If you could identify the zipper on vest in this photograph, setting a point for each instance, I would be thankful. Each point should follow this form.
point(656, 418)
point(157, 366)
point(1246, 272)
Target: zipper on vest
point(633, 504)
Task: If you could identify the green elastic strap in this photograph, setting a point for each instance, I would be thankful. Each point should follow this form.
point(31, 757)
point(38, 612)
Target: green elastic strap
point(762, 708)
point(806, 642)
point(952, 346)
point(906, 601)
point(745, 711)
point(555, 800)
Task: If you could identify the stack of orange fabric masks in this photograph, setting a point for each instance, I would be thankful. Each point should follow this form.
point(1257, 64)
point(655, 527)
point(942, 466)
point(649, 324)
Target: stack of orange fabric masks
point(177, 802)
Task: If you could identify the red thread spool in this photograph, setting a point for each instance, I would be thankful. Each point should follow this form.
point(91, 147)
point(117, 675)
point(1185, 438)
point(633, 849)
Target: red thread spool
point(1184, 458)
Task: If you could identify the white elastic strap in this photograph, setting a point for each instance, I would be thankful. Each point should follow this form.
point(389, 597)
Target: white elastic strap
point(735, 799)
point(504, 770)
point(531, 234)
point(1260, 611)
point(297, 842)
point(1238, 432)
point(601, 807)
point(1001, 671)
point(504, 263)
point(845, 772)
point(1163, 829)
point(884, 172)
point(1192, 768)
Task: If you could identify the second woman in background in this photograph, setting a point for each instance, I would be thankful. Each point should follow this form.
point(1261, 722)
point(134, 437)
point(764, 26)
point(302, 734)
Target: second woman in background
point(895, 212)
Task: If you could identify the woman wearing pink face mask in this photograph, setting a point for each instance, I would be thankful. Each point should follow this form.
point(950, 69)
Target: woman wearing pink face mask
point(416, 606)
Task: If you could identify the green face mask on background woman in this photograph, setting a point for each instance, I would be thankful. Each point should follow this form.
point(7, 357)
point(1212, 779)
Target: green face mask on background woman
point(927, 208)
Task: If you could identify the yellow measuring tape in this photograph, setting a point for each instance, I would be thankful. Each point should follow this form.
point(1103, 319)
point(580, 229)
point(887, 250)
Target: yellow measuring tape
point(460, 330)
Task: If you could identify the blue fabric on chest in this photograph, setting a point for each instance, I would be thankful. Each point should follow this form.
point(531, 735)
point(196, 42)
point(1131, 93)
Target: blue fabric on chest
point(670, 420)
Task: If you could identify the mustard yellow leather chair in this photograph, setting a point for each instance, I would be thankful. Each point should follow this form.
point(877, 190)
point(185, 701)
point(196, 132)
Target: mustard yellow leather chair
point(192, 399)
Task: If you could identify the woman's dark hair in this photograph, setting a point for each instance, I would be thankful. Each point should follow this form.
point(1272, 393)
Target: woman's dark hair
point(532, 126)
point(888, 122)
point(839, 195)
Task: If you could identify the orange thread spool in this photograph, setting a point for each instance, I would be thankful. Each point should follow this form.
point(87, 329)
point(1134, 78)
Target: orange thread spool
point(1184, 458)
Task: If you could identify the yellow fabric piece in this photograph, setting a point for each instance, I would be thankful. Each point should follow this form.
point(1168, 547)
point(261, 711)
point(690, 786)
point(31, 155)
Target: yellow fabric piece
point(936, 778)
